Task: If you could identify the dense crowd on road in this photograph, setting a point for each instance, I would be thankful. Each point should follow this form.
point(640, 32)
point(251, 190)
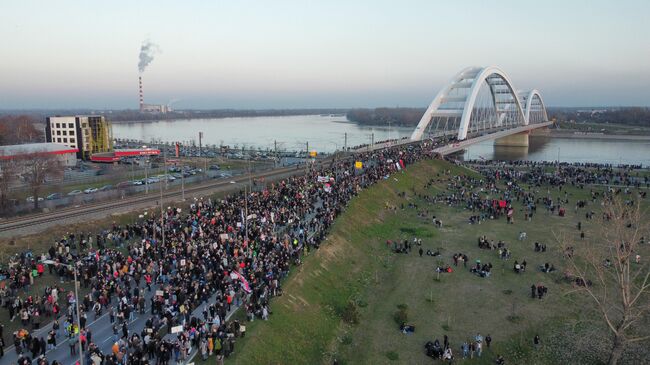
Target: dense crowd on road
point(219, 255)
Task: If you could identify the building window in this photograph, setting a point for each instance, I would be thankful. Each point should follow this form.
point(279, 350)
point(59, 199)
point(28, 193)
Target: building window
point(70, 125)
point(65, 133)
point(58, 133)
point(71, 140)
point(58, 125)
point(58, 140)
point(65, 140)
point(72, 133)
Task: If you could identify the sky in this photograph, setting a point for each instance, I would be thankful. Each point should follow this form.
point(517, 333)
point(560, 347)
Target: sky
point(317, 54)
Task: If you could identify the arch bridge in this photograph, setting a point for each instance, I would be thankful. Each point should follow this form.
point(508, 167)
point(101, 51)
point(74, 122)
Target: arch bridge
point(482, 102)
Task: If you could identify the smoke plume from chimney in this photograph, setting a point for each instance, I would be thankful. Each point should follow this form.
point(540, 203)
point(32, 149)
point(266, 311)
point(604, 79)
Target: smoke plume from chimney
point(147, 52)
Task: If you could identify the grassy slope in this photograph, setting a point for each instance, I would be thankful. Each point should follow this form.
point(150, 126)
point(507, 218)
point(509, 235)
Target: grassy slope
point(355, 263)
point(306, 318)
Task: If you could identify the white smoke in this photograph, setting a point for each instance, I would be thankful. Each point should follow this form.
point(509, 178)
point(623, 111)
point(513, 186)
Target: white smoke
point(147, 52)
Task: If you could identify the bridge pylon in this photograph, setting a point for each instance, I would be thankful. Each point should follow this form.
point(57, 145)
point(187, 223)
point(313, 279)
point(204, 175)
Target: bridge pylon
point(513, 140)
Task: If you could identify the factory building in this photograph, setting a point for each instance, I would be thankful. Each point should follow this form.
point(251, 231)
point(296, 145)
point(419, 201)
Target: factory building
point(88, 134)
point(150, 108)
point(66, 155)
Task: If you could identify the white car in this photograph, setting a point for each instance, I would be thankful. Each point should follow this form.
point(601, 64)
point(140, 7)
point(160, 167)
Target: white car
point(31, 199)
point(91, 190)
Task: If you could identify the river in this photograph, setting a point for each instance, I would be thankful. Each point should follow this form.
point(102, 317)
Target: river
point(327, 133)
point(324, 133)
point(577, 149)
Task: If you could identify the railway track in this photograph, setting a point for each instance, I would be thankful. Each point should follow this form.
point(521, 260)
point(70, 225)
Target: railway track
point(77, 211)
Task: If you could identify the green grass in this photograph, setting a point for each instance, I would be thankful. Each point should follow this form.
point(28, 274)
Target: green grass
point(355, 263)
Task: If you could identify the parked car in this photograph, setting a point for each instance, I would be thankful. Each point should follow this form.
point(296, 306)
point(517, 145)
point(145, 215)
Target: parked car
point(124, 184)
point(106, 187)
point(171, 178)
point(54, 196)
point(31, 199)
point(74, 192)
point(215, 167)
point(138, 182)
point(177, 175)
point(91, 190)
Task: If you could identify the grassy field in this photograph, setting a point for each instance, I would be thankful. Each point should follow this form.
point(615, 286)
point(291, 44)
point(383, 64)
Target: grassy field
point(355, 264)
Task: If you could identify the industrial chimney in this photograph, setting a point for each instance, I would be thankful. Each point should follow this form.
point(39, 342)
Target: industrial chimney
point(141, 95)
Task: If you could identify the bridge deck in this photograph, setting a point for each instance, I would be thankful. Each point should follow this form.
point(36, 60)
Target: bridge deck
point(460, 145)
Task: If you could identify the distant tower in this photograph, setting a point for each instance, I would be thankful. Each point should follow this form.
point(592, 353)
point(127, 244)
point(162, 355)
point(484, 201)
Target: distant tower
point(141, 95)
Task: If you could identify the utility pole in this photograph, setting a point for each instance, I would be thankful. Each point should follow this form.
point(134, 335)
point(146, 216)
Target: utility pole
point(76, 295)
point(275, 149)
point(250, 172)
point(345, 143)
point(183, 184)
point(200, 137)
point(162, 216)
point(165, 166)
point(372, 140)
point(246, 211)
point(146, 179)
point(307, 159)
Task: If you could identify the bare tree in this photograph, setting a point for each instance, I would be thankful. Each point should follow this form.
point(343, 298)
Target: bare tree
point(37, 167)
point(608, 270)
point(8, 174)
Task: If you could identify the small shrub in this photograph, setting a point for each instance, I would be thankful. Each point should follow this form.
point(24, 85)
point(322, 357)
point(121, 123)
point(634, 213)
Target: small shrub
point(514, 318)
point(507, 292)
point(362, 303)
point(446, 327)
point(402, 306)
point(392, 355)
point(401, 315)
point(350, 313)
point(346, 340)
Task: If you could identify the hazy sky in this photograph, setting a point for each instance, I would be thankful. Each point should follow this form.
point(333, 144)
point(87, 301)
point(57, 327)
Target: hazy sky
point(294, 54)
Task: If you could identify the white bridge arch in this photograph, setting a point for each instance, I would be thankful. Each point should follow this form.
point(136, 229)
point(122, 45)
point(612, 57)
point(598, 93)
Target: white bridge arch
point(480, 100)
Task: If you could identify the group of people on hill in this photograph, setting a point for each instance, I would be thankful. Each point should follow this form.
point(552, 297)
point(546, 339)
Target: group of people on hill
point(469, 349)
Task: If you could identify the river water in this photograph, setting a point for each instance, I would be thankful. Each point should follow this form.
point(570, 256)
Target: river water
point(327, 133)
point(324, 133)
point(578, 149)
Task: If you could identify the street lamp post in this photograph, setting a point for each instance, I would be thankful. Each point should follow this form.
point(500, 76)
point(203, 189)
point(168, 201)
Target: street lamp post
point(76, 295)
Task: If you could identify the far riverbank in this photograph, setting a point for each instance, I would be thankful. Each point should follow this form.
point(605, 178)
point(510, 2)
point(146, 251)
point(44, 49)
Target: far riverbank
point(565, 134)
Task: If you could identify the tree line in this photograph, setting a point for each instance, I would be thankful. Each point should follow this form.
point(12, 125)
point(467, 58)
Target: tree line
point(411, 116)
point(383, 116)
point(19, 129)
point(630, 116)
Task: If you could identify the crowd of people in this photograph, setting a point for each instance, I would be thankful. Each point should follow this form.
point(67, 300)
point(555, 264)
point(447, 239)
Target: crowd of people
point(219, 255)
point(223, 254)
